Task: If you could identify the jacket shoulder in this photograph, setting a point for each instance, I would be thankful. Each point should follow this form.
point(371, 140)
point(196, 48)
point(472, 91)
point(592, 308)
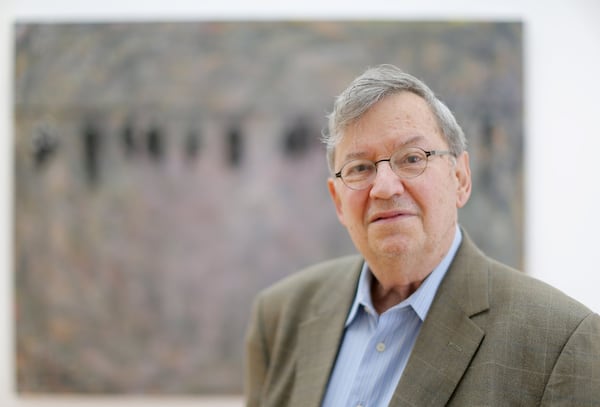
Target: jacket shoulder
point(480, 283)
point(533, 296)
point(323, 287)
point(308, 281)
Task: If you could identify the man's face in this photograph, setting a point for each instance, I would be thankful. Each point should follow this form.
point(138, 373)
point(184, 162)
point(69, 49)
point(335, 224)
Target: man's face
point(399, 217)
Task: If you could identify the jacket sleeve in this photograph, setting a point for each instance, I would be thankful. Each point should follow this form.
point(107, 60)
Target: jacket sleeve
point(256, 358)
point(575, 378)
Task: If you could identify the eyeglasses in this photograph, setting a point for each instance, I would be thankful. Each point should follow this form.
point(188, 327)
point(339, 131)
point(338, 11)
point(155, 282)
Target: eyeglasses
point(405, 163)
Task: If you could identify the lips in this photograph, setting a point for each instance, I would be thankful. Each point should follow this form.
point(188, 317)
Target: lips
point(389, 215)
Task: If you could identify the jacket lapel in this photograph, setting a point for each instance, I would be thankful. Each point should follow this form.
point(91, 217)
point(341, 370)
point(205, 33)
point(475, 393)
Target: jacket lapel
point(320, 335)
point(449, 338)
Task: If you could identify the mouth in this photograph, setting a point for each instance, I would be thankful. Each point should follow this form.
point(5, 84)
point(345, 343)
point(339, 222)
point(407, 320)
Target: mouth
point(389, 215)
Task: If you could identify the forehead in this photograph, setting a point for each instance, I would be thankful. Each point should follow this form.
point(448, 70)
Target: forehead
point(398, 120)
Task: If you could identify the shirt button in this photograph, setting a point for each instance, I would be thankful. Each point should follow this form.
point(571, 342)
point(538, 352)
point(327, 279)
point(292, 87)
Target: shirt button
point(380, 347)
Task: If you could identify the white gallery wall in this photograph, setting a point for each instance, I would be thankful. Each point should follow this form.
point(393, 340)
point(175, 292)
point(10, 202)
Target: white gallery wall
point(562, 156)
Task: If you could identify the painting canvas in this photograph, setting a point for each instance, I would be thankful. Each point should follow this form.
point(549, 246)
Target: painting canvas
point(166, 172)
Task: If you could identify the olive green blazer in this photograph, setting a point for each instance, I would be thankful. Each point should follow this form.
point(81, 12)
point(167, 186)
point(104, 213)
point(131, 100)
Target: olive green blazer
point(493, 337)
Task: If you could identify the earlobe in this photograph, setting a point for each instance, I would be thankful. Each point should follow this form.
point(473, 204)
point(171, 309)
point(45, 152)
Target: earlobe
point(335, 197)
point(463, 176)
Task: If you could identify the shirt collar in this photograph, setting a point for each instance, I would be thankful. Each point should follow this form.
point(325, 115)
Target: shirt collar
point(420, 300)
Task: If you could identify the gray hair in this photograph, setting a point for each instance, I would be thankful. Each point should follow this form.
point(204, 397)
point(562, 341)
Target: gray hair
point(373, 86)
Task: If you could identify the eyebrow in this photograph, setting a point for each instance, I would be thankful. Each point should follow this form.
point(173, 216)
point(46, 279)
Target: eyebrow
point(363, 154)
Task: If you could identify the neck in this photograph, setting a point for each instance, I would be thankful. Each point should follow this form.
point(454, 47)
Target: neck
point(385, 298)
point(397, 277)
point(391, 285)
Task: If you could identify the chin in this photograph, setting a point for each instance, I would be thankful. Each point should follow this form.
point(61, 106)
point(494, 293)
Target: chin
point(393, 241)
point(393, 248)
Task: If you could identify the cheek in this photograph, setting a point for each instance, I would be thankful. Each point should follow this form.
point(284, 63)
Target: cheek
point(354, 206)
point(447, 210)
point(436, 204)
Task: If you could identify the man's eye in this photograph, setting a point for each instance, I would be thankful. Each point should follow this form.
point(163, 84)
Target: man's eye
point(410, 159)
point(359, 169)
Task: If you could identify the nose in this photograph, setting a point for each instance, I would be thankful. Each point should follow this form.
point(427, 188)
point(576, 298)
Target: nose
point(386, 183)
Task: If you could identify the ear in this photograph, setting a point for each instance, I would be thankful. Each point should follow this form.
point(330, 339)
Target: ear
point(335, 197)
point(463, 177)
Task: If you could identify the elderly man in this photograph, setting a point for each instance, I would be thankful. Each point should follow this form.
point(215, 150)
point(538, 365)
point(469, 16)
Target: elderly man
point(421, 317)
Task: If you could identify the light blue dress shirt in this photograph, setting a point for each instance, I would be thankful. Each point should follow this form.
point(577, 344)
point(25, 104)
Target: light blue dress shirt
point(375, 348)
